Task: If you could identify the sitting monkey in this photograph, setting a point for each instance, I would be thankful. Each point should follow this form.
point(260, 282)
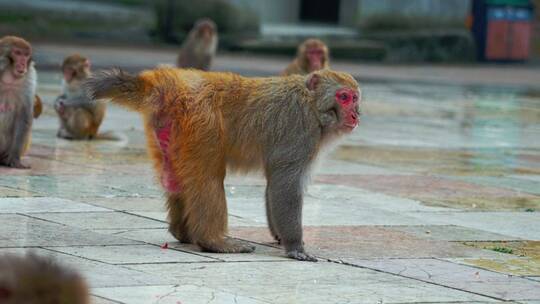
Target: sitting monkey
point(80, 116)
point(312, 55)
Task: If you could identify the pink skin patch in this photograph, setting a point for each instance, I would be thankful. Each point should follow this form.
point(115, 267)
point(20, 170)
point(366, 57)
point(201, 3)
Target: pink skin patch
point(5, 107)
point(168, 180)
point(348, 99)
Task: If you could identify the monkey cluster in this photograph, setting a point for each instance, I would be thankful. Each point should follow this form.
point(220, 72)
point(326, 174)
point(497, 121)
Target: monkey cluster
point(199, 125)
point(33, 279)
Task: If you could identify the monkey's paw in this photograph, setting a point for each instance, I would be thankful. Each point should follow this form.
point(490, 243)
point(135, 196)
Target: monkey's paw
point(301, 256)
point(228, 245)
point(17, 164)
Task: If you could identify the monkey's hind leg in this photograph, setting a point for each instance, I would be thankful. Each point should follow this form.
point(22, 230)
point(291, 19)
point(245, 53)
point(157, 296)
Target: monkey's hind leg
point(206, 218)
point(177, 219)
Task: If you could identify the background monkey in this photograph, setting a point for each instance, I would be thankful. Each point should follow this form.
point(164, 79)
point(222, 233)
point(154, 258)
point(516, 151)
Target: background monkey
point(312, 55)
point(199, 48)
point(80, 116)
point(18, 80)
point(32, 279)
point(199, 124)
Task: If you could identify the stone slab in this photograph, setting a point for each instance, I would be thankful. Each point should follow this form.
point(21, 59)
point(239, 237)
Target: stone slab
point(422, 187)
point(159, 237)
point(44, 204)
point(172, 294)
point(100, 300)
point(23, 231)
point(452, 233)
point(100, 220)
point(301, 282)
point(128, 203)
point(522, 225)
point(131, 254)
point(471, 279)
point(325, 213)
point(509, 264)
point(347, 243)
point(98, 274)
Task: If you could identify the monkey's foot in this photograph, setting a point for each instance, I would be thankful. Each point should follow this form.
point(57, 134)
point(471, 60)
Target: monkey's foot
point(277, 240)
point(181, 237)
point(301, 256)
point(228, 245)
point(17, 164)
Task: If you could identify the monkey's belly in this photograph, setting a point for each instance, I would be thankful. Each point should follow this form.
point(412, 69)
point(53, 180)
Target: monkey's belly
point(168, 178)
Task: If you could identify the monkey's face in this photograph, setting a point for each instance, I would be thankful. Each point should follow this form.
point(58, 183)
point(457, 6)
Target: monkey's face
point(338, 100)
point(315, 57)
point(77, 72)
point(347, 100)
point(206, 31)
point(20, 59)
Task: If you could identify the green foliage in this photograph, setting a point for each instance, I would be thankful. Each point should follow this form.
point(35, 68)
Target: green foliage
point(503, 250)
point(175, 18)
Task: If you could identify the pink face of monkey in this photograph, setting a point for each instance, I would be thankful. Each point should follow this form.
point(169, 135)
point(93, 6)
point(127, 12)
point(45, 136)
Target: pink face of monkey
point(348, 101)
point(315, 56)
point(21, 59)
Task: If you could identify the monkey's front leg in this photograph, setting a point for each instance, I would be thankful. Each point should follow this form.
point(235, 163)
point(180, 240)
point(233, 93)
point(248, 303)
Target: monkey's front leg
point(23, 123)
point(284, 196)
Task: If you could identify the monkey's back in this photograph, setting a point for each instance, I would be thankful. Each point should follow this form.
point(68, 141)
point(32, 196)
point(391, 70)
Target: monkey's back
point(241, 107)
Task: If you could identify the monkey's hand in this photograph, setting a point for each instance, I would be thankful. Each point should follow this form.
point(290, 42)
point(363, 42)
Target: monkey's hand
point(301, 255)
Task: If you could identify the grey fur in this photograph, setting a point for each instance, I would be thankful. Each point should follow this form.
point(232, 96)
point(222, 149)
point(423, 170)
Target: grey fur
point(15, 125)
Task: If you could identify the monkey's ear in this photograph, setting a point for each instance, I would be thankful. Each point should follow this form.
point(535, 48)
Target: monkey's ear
point(313, 81)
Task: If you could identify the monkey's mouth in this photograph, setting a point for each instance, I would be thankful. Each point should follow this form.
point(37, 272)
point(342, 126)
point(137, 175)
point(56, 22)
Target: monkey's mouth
point(19, 72)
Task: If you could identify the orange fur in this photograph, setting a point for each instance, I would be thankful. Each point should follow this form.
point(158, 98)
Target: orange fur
point(213, 121)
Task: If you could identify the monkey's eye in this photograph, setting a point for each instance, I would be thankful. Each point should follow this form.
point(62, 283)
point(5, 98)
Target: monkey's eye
point(344, 96)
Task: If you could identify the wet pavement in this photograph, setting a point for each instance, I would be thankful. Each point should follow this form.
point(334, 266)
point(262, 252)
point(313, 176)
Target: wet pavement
point(435, 198)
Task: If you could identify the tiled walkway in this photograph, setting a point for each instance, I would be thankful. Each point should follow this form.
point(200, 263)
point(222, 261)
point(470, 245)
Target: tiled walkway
point(414, 207)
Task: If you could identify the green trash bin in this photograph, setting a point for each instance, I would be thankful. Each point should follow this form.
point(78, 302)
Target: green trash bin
point(502, 29)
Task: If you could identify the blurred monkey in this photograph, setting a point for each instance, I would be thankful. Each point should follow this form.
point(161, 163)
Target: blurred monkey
point(199, 48)
point(80, 116)
point(312, 55)
point(33, 279)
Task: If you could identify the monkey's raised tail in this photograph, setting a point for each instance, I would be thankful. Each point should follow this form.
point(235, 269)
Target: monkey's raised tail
point(122, 88)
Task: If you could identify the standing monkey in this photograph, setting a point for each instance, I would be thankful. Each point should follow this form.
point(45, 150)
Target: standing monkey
point(198, 124)
point(312, 55)
point(80, 116)
point(199, 48)
point(17, 93)
point(38, 280)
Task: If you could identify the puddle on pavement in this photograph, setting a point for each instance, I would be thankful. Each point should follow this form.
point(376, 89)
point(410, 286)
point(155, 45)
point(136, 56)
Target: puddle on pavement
point(522, 257)
point(489, 162)
point(526, 204)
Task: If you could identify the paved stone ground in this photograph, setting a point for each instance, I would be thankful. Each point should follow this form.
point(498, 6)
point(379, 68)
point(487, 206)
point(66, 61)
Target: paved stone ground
point(418, 205)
